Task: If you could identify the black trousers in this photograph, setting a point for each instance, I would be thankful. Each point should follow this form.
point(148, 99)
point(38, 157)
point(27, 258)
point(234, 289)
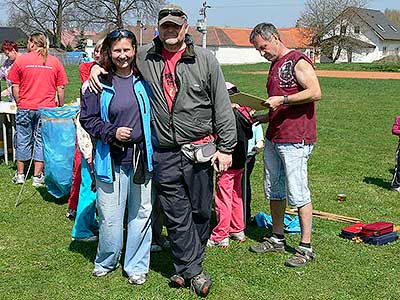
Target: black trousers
point(185, 192)
point(246, 188)
point(396, 176)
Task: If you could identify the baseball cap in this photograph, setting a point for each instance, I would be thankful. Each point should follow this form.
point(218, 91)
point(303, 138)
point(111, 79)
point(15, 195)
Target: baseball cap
point(172, 13)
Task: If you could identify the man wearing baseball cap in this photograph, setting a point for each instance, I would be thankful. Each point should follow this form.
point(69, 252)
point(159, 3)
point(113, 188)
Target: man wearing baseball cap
point(190, 107)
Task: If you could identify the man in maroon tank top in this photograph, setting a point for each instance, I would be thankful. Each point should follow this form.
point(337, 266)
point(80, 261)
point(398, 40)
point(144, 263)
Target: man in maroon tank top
point(293, 89)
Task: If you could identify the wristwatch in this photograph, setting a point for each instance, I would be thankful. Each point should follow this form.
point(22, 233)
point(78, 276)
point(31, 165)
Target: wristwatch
point(285, 100)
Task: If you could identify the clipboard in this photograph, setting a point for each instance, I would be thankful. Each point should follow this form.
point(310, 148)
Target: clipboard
point(248, 100)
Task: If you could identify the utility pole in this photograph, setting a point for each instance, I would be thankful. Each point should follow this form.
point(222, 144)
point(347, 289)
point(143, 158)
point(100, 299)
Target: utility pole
point(202, 23)
point(140, 22)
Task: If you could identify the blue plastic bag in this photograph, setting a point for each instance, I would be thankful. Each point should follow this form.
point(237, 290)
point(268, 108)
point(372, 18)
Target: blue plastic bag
point(291, 223)
point(58, 135)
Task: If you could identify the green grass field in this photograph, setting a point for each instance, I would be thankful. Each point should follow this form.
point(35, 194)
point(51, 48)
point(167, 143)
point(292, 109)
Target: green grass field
point(355, 154)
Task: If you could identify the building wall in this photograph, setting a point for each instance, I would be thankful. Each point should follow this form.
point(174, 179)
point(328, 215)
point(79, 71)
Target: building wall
point(236, 55)
point(367, 35)
point(244, 55)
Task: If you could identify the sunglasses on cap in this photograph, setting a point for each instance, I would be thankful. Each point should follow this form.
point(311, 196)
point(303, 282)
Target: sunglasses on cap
point(173, 12)
point(120, 33)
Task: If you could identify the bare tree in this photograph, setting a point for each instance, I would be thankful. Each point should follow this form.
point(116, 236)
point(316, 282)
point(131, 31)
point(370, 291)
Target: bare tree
point(393, 15)
point(50, 16)
point(118, 13)
point(324, 17)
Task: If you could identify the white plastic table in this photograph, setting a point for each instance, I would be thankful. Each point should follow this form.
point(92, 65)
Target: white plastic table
point(7, 113)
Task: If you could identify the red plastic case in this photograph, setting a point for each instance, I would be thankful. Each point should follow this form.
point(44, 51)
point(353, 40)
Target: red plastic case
point(377, 229)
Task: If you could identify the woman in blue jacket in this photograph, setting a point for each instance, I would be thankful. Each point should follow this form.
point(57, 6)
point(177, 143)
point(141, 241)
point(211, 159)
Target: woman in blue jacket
point(119, 120)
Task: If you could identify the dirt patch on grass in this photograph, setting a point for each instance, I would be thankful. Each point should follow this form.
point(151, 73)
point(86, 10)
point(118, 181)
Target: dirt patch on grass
point(348, 74)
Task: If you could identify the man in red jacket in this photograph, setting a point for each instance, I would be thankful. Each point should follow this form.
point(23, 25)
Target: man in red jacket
point(293, 88)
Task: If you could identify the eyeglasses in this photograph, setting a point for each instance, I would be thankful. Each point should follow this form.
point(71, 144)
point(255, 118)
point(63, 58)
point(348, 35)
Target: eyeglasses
point(173, 12)
point(120, 33)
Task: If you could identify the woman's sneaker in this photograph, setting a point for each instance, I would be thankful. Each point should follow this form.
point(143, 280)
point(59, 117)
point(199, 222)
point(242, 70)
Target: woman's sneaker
point(138, 279)
point(18, 178)
point(38, 181)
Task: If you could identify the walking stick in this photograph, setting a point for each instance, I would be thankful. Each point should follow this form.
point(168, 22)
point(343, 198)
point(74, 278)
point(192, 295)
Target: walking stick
point(23, 185)
point(245, 192)
point(19, 197)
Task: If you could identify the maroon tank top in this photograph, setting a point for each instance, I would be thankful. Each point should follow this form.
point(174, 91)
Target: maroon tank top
point(289, 123)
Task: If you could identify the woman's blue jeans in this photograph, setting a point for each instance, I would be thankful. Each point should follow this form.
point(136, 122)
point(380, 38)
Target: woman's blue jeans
point(112, 200)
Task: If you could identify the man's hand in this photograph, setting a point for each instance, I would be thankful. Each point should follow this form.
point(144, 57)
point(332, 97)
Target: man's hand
point(94, 82)
point(273, 102)
point(221, 161)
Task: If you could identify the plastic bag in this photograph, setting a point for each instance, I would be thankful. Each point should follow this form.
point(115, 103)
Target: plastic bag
point(291, 223)
point(58, 135)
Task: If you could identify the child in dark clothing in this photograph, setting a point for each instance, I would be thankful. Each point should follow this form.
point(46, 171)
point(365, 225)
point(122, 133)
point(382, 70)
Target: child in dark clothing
point(396, 177)
point(228, 195)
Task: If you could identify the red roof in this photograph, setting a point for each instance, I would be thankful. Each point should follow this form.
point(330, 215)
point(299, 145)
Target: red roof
point(293, 38)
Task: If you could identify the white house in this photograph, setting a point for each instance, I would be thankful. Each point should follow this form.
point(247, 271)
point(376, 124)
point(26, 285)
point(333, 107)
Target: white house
point(370, 34)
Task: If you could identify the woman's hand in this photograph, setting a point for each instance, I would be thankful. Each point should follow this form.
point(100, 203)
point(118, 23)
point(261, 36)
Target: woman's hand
point(123, 134)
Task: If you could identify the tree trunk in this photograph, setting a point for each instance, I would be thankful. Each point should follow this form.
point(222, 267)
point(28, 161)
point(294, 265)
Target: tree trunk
point(59, 19)
point(337, 54)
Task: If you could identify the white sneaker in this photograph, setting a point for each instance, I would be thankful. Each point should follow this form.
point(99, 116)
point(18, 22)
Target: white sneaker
point(38, 181)
point(93, 238)
point(222, 244)
point(18, 178)
point(238, 236)
point(396, 189)
point(138, 279)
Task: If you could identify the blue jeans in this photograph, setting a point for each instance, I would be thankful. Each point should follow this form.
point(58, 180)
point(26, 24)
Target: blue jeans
point(112, 199)
point(285, 175)
point(85, 220)
point(28, 134)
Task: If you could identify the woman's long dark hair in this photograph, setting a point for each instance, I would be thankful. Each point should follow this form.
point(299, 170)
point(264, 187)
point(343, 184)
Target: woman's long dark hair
point(114, 36)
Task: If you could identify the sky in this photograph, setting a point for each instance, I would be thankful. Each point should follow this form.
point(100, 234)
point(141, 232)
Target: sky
point(246, 13)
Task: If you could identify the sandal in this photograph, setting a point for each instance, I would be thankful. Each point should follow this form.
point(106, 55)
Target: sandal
point(269, 245)
point(300, 258)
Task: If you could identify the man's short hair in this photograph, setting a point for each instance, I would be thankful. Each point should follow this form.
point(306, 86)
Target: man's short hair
point(9, 46)
point(265, 30)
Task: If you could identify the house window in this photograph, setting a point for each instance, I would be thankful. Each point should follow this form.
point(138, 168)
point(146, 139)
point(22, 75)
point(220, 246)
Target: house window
point(380, 27)
point(393, 28)
point(384, 49)
point(356, 29)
